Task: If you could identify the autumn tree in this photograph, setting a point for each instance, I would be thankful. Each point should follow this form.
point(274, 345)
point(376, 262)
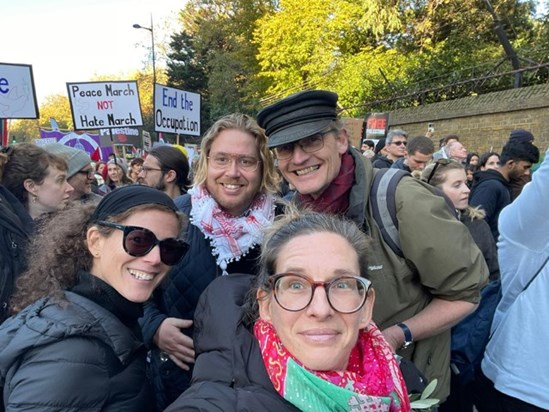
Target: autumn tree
point(55, 106)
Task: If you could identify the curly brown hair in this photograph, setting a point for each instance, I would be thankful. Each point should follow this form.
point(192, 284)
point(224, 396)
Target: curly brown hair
point(59, 250)
point(26, 161)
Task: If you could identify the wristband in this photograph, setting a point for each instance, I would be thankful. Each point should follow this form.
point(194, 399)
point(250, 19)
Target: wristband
point(408, 338)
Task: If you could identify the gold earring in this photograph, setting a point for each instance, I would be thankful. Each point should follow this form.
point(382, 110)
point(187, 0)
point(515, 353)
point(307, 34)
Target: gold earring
point(34, 198)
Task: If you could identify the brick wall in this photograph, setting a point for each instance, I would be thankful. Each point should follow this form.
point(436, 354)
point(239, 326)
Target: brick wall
point(482, 121)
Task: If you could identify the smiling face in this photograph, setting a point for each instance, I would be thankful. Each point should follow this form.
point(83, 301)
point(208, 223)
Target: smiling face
point(318, 336)
point(135, 278)
point(455, 187)
point(115, 173)
point(312, 173)
point(233, 188)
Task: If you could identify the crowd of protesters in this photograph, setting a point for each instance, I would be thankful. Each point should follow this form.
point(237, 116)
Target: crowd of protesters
point(155, 284)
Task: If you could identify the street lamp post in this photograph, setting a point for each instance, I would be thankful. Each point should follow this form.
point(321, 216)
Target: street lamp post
point(151, 29)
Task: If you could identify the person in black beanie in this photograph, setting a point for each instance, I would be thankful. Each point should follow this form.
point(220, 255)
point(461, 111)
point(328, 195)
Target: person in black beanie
point(74, 342)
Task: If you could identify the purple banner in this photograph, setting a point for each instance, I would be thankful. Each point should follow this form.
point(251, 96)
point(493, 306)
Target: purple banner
point(84, 141)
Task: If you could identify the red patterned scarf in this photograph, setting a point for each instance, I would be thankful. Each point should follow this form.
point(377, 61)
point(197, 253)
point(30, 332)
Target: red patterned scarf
point(335, 199)
point(372, 378)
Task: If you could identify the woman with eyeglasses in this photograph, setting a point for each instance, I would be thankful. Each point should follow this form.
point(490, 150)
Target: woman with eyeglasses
point(74, 342)
point(303, 338)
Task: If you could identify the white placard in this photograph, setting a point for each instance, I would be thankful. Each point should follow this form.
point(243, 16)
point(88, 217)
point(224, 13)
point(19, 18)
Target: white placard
point(176, 111)
point(98, 105)
point(147, 142)
point(17, 94)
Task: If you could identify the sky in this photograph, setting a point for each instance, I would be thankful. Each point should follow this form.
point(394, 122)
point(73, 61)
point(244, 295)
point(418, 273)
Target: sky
point(73, 40)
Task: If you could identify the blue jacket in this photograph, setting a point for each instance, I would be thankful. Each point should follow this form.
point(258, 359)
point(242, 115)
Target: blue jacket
point(399, 164)
point(516, 357)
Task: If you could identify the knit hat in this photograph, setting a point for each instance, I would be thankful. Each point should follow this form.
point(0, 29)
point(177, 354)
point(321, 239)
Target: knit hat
point(380, 145)
point(521, 135)
point(120, 162)
point(77, 159)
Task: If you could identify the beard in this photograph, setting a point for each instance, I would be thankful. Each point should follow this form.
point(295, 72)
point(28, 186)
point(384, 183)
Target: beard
point(161, 185)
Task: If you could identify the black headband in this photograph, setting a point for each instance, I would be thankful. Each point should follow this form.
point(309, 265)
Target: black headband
point(126, 197)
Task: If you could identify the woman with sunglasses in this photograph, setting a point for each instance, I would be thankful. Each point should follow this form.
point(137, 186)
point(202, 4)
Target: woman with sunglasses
point(304, 340)
point(74, 342)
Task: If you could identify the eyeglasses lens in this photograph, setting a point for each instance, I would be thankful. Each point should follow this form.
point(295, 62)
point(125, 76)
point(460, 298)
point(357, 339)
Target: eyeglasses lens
point(309, 144)
point(345, 294)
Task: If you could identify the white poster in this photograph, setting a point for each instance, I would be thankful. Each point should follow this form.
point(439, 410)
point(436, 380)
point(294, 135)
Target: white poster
point(17, 94)
point(104, 105)
point(176, 111)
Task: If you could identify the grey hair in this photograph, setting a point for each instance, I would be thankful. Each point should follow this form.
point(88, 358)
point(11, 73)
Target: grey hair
point(393, 133)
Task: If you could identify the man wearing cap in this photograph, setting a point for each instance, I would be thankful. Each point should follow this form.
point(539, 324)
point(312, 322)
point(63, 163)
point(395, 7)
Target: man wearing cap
point(420, 296)
point(80, 173)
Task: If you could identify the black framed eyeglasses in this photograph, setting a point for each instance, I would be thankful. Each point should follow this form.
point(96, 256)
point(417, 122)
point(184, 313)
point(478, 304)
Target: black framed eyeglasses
point(139, 241)
point(309, 144)
point(442, 162)
point(294, 292)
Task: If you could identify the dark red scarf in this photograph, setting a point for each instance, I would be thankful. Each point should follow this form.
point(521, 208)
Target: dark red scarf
point(335, 199)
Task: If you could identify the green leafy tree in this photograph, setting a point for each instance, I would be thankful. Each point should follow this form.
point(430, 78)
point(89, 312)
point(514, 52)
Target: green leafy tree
point(56, 106)
point(214, 55)
point(305, 44)
point(23, 130)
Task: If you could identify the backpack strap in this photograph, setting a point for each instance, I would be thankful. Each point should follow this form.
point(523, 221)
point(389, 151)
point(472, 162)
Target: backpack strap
point(383, 204)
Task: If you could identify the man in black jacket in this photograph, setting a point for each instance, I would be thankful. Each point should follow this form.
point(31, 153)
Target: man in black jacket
point(491, 188)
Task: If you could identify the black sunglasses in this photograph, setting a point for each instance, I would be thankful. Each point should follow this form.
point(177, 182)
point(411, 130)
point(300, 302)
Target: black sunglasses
point(139, 241)
point(442, 162)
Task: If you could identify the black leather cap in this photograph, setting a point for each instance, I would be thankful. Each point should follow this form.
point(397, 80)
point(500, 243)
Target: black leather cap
point(297, 116)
